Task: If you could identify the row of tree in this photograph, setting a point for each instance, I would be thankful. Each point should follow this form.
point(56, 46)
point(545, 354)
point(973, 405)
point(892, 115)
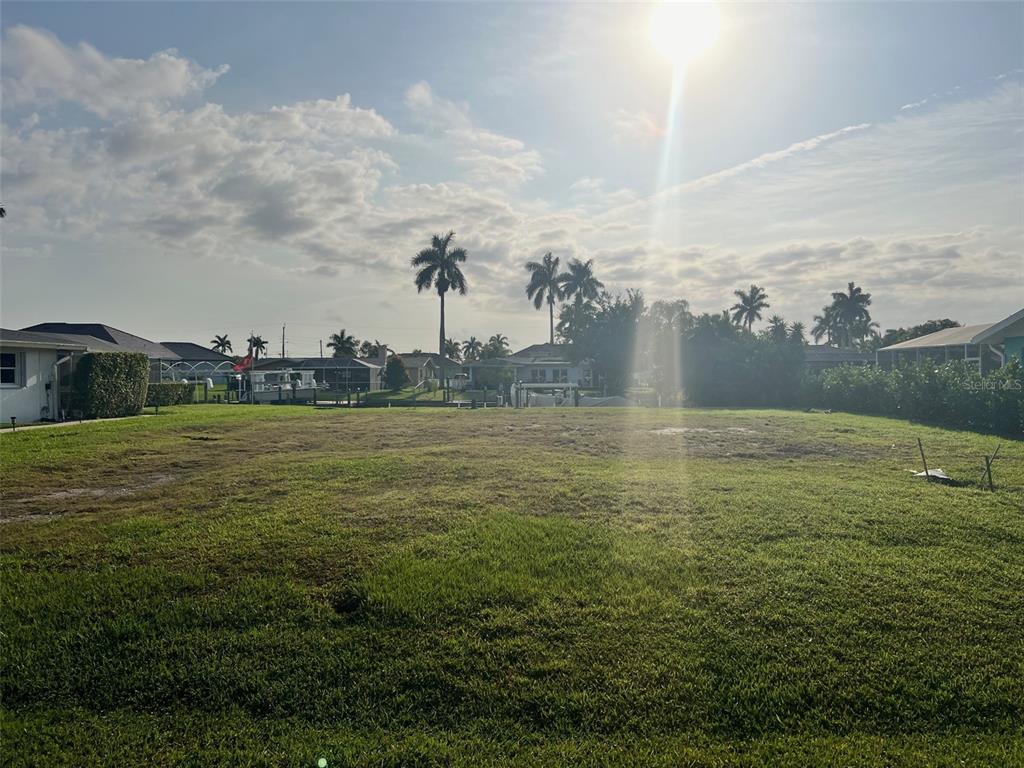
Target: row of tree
point(845, 322)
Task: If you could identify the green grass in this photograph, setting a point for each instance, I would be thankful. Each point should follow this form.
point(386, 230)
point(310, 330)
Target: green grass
point(405, 393)
point(265, 586)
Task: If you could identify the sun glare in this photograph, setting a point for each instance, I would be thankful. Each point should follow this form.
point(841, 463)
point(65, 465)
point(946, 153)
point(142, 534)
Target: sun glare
point(683, 31)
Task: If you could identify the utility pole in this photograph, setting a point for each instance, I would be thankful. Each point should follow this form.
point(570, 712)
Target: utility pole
point(282, 341)
point(321, 349)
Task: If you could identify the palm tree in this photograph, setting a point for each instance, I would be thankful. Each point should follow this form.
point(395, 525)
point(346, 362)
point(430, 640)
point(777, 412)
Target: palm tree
point(544, 286)
point(865, 336)
point(452, 350)
point(257, 345)
point(497, 346)
point(221, 344)
point(343, 344)
point(471, 348)
point(579, 282)
point(825, 325)
point(370, 348)
point(777, 329)
point(851, 309)
point(747, 310)
point(796, 333)
point(437, 267)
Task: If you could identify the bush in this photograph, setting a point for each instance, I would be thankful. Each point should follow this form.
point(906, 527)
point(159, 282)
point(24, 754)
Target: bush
point(731, 368)
point(170, 393)
point(110, 384)
point(953, 394)
point(395, 375)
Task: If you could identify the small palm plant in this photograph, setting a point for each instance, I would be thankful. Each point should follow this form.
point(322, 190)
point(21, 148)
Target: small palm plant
point(452, 350)
point(221, 344)
point(257, 345)
point(471, 348)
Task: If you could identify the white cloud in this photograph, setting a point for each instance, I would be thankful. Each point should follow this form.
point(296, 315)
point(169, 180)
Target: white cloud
point(41, 70)
point(488, 158)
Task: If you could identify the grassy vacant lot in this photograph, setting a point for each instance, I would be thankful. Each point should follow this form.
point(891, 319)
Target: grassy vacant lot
point(268, 586)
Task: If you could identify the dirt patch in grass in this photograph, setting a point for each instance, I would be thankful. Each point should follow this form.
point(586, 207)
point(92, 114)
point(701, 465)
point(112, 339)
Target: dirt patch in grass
point(47, 506)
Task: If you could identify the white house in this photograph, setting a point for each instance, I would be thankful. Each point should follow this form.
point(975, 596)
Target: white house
point(32, 367)
point(539, 366)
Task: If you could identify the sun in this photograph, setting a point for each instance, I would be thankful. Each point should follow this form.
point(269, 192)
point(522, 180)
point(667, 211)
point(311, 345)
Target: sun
point(683, 31)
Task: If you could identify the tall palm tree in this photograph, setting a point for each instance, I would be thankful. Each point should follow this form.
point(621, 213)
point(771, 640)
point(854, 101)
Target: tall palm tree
point(471, 348)
point(544, 286)
point(852, 314)
point(343, 344)
point(221, 344)
point(579, 282)
point(437, 267)
point(452, 350)
point(257, 345)
point(747, 310)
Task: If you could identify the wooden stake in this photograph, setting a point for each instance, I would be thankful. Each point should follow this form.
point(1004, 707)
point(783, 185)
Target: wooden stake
point(988, 470)
point(923, 460)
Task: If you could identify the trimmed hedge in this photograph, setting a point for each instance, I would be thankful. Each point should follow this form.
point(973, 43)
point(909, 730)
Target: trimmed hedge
point(170, 393)
point(953, 394)
point(110, 384)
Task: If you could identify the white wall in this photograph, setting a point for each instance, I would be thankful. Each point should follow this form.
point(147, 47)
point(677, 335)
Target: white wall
point(27, 398)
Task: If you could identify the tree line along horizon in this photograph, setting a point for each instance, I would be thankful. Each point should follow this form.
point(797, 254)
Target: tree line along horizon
point(845, 322)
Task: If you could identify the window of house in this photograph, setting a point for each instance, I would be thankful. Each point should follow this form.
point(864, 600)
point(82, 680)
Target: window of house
point(538, 375)
point(10, 375)
point(588, 378)
point(561, 375)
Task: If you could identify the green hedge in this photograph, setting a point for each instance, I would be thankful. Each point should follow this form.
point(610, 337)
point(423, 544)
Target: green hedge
point(110, 384)
point(953, 394)
point(170, 393)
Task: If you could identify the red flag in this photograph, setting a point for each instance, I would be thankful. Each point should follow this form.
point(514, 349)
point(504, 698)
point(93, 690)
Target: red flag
point(246, 362)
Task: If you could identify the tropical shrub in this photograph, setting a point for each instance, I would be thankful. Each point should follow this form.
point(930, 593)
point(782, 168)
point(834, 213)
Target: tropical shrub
point(726, 366)
point(954, 394)
point(395, 375)
point(110, 384)
point(170, 393)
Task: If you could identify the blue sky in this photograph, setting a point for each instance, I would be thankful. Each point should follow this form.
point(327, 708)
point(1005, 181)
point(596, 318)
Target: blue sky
point(201, 168)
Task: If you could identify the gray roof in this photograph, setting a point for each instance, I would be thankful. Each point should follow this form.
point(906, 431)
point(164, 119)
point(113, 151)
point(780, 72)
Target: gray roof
point(274, 363)
point(332, 363)
point(104, 338)
point(947, 337)
point(39, 340)
point(418, 360)
point(186, 350)
point(543, 353)
point(1010, 326)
